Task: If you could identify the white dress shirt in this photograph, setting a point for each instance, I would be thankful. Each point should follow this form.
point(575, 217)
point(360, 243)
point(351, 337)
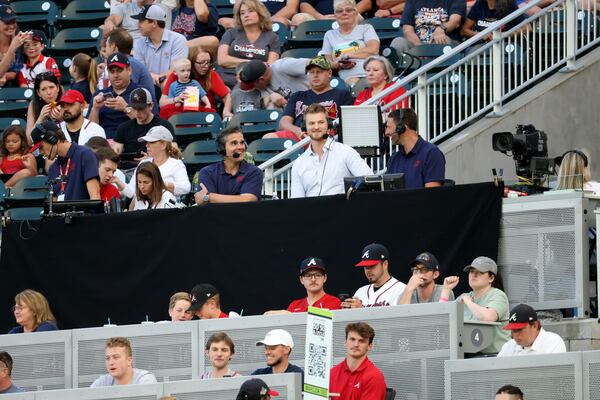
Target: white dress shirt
point(312, 176)
point(545, 343)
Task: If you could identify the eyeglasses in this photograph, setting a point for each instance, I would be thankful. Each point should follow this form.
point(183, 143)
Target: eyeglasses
point(419, 270)
point(18, 308)
point(202, 63)
point(345, 10)
point(313, 276)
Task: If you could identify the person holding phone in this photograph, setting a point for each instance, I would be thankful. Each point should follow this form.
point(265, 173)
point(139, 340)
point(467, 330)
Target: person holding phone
point(313, 276)
point(126, 141)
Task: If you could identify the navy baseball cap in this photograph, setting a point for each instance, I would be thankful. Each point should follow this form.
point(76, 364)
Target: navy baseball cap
point(255, 389)
point(118, 60)
point(312, 262)
point(373, 254)
point(200, 293)
point(520, 316)
point(7, 14)
point(428, 260)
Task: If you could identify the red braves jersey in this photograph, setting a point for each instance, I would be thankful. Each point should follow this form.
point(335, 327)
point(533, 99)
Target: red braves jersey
point(27, 74)
point(364, 383)
point(327, 301)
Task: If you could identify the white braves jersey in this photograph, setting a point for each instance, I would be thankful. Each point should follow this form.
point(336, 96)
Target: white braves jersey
point(387, 295)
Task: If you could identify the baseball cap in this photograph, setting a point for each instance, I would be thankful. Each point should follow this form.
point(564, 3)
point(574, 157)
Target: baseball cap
point(373, 254)
point(318, 61)
point(428, 260)
point(157, 133)
point(201, 292)
point(254, 389)
point(40, 132)
point(252, 70)
point(72, 96)
point(7, 14)
point(483, 264)
point(520, 316)
point(277, 336)
point(38, 36)
point(118, 60)
point(312, 262)
point(151, 11)
point(140, 98)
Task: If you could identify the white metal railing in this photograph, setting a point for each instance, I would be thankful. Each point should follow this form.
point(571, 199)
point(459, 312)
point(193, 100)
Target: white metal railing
point(450, 95)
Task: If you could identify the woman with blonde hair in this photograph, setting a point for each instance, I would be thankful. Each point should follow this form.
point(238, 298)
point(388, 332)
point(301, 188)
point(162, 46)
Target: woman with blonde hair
point(178, 307)
point(575, 173)
point(251, 38)
point(32, 313)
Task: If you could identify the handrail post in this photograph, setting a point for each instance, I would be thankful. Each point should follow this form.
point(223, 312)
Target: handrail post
point(497, 74)
point(268, 181)
point(422, 109)
point(571, 35)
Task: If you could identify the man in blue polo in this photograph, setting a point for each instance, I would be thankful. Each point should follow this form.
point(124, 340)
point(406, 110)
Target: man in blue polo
point(422, 163)
point(76, 166)
point(231, 180)
point(109, 106)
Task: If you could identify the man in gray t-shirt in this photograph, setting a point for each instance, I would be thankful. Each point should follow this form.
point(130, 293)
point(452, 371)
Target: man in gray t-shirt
point(421, 287)
point(120, 16)
point(119, 364)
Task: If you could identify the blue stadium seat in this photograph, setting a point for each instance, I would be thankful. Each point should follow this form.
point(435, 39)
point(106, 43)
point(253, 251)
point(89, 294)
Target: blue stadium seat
point(14, 102)
point(25, 213)
point(193, 126)
point(7, 121)
point(225, 7)
point(256, 123)
point(282, 31)
point(265, 149)
point(310, 33)
point(387, 29)
point(36, 14)
point(71, 41)
point(84, 13)
point(199, 154)
point(64, 62)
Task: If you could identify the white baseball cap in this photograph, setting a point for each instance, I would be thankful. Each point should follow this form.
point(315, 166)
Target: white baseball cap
point(275, 337)
point(157, 133)
point(151, 11)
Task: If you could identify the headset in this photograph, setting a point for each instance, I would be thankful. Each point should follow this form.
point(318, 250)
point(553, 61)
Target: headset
point(47, 133)
point(220, 141)
point(558, 160)
point(400, 126)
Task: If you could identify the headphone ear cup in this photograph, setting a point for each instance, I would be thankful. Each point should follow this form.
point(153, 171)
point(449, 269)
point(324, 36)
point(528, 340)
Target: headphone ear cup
point(400, 129)
point(220, 145)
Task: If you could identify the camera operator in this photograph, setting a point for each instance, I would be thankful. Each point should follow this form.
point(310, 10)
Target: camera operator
point(575, 172)
point(422, 163)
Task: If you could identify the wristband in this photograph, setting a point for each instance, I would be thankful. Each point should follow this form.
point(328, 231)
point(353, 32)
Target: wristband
point(390, 12)
point(443, 299)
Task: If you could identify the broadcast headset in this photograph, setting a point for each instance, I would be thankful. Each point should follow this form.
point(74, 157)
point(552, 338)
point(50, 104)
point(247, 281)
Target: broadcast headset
point(220, 141)
point(558, 160)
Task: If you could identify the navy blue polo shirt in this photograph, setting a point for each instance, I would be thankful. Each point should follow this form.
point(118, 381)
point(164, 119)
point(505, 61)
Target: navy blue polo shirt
point(248, 179)
point(82, 167)
point(269, 370)
point(110, 119)
point(423, 164)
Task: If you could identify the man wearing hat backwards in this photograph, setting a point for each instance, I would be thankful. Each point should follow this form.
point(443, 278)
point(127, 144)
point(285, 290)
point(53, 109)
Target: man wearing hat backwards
point(384, 289)
point(528, 336)
point(206, 302)
point(255, 389)
point(75, 127)
point(421, 287)
point(313, 276)
point(278, 347)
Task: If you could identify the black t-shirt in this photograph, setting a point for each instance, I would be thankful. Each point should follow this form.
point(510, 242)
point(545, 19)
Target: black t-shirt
point(483, 16)
point(324, 7)
point(426, 15)
point(129, 132)
point(74, 135)
point(331, 100)
point(83, 87)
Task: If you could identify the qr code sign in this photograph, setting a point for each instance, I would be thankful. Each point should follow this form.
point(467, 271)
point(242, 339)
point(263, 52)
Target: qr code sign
point(318, 329)
point(316, 360)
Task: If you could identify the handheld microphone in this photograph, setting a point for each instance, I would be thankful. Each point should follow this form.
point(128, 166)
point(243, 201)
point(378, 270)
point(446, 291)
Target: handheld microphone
point(236, 154)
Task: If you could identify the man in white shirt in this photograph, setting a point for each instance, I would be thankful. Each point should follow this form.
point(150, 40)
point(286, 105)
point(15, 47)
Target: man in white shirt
point(321, 169)
point(119, 364)
point(528, 336)
point(384, 289)
point(75, 127)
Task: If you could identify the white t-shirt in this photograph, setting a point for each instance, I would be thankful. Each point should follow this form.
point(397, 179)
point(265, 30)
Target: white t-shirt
point(172, 171)
point(337, 44)
point(167, 201)
point(387, 295)
point(545, 343)
point(126, 10)
point(140, 377)
point(88, 130)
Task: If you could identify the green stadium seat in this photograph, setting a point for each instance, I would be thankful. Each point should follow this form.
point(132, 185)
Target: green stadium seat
point(71, 41)
point(7, 121)
point(84, 13)
point(338, 83)
point(25, 214)
point(387, 29)
point(310, 33)
point(199, 154)
point(359, 86)
point(194, 126)
point(64, 62)
point(225, 7)
point(36, 14)
point(265, 149)
point(14, 102)
point(429, 52)
point(308, 52)
point(281, 31)
point(256, 123)
point(28, 192)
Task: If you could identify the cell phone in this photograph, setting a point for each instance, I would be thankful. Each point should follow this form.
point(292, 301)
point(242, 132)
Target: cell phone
point(108, 95)
point(162, 79)
point(344, 296)
point(345, 62)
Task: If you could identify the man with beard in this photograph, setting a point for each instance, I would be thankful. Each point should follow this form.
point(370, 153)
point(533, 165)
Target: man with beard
point(278, 346)
point(421, 287)
point(75, 127)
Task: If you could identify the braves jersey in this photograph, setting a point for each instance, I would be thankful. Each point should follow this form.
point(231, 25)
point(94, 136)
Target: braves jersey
point(27, 74)
point(387, 295)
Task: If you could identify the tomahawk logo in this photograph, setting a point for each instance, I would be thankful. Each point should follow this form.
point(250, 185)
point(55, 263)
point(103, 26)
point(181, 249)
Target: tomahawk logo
point(513, 317)
point(312, 262)
point(193, 299)
point(114, 58)
point(366, 254)
point(357, 385)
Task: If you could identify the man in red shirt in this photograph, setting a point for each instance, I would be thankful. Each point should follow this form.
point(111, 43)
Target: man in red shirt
point(206, 302)
point(108, 161)
point(313, 276)
point(356, 377)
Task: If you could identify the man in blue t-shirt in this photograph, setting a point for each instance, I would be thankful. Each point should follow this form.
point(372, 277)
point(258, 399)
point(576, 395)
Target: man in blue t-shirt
point(319, 79)
point(422, 163)
point(109, 107)
point(231, 180)
point(278, 345)
point(75, 168)
point(430, 21)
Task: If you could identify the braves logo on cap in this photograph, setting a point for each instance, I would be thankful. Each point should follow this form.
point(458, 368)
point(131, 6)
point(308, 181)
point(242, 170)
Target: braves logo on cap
point(193, 299)
point(114, 58)
point(513, 317)
point(365, 254)
point(312, 262)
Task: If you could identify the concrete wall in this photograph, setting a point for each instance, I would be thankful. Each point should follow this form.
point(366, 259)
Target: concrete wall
point(565, 106)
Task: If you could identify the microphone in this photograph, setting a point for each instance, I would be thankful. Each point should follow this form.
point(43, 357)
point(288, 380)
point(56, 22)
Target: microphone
point(236, 154)
point(325, 136)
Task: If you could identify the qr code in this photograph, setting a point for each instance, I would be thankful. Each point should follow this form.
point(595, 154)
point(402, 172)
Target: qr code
point(318, 329)
point(316, 360)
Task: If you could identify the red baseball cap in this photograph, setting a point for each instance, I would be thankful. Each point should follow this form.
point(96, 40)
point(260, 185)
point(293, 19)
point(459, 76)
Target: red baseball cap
point(72, 96)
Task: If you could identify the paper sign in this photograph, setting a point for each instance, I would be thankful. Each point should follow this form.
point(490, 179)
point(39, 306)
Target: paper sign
point(318, 353)
point(192, 103)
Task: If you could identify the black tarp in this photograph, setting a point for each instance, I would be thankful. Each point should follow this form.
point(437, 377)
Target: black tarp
point(126, 266)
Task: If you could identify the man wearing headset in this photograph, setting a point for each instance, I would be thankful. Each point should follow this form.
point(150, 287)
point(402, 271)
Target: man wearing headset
point(422, 163)
point(231, 180)
point(321, 169)
point(75, 168)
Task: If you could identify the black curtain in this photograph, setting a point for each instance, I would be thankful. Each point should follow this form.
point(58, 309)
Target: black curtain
point(126, 266)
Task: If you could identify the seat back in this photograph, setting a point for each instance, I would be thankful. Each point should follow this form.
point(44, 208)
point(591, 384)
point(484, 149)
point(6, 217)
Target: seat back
point(311, 33)
point(193, 126)
point(305, 52)
point(25, 213)
point(264, 149)
point(83, 12)
point(14, 102)
point(71, 41)
point(387, 28)
point(200, 154)
point(256, 123)
point(225, 7)
point(7, 121)
point(35, 14)
point(282, 32)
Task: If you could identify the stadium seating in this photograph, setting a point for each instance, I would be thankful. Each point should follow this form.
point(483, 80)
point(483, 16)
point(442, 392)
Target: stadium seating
point(14, 102)
point(7, 121)
point(256, 123)
point(84, 12)
point(193, 126)
point(200, 154)
point(310, 33)
point(225, 7)
point(387, 29)
point(282, 32)
point(25, 213)
point(264, 149)
point(36, 14)
point(71, 41)
point(308, 52)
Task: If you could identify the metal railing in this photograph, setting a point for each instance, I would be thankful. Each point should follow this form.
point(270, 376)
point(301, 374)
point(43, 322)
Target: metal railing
point(449, 95)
